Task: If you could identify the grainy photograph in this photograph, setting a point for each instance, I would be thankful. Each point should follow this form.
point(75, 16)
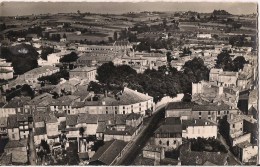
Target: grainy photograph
point(129, 83)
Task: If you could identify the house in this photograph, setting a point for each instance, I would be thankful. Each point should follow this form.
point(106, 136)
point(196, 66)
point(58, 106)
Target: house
point(122, 46)
point(39, 103)
point(64, 104)
point(109, 153)
point(14, 106)
point(52, 129)
point(6, 70)
point(40, 134)
point(85, 72)
point(189, 157)
point(227, 78)
point(3, 127)
point(13, 128)
point(123, 102)
point(199, 128)
point(189, 111)
point(18, 150)
point(169, 134)
point(24, 121)
point(246, 151)
point(154, 152)
point(71, 127)
point(242, 128)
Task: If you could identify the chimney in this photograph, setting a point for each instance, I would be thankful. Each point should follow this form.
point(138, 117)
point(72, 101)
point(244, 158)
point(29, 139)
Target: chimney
point(105, 93)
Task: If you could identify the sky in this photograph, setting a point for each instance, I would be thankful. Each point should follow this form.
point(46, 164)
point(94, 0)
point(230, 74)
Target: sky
point(28, 8)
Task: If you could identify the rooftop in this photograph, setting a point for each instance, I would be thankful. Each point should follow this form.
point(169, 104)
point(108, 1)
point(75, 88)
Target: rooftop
point(152, 148)
point(169, 129)
point(108, 152)
point(41, 70)
point(84, 69)
point(197, 122)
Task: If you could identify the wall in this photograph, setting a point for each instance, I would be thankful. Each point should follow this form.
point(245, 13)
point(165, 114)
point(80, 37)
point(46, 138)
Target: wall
point(243, 138)
point(173, 142)
point(200, 131)
point(168, 99)
point(13, 134)
point(249, 152)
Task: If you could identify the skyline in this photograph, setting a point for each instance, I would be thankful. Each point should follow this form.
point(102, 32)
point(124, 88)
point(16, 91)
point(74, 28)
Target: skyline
point(29, 8)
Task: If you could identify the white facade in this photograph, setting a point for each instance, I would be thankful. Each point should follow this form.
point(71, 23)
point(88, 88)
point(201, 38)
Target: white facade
point(207, 131)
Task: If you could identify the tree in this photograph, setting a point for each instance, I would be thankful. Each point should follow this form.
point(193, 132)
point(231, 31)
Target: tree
point(81, 131)
point(238, 63)
point(26, 90)
point(45, 146)
point(46, 51)
point(224, 61)
point(69, 58)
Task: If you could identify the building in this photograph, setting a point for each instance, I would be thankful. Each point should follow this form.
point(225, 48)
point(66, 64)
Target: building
point(38, 103)
point(52, 129)
point(226, 78)
point(3, 127)
point(13, 128)
point(6, 70)
point(124, 102)
point(109, 153)
point(199, 128)
point(14, 106)
point(247, 151)
point(85, 72)
point(122, 46)
point(18, 151)
point(189, 111)
point(169, 134)
point(196, 158)
point(154, 152)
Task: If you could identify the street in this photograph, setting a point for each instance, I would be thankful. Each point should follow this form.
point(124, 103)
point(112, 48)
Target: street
point(232, 160)
point(137, 145)
point(32, 154)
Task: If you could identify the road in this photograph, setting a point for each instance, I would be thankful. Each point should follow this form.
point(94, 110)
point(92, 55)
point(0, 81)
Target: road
point(32, 154)
point(136, 147)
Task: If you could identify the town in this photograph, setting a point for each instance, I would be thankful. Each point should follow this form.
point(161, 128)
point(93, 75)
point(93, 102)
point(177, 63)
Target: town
point(139, 88)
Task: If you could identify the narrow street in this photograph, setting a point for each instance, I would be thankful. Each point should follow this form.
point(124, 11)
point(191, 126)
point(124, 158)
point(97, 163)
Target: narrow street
point(232, 160)
point(32, 151)
point(140, 141)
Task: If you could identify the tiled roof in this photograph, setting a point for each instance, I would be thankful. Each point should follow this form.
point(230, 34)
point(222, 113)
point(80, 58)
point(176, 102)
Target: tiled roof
point(130, 96)
point(101, 127)
point(42, 100)
point(210, 107)
point(189, 157)
point(172, 121)
point(51, 118)
point(23, 117)
point(16, 143)
point(84, 69)
point(41, 70)
point(108, 152)
point(169, 129)
point(12, 122)
point(71, 120)
point(128, 131)
point(40, 131)
point(153, 148)
point(65, 100)
point(133, 116)
point(17, 102)
point(6, 159)
point(179, 105)
point(197, 122)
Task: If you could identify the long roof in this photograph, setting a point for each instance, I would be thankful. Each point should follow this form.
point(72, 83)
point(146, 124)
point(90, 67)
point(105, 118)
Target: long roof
point(108, 152)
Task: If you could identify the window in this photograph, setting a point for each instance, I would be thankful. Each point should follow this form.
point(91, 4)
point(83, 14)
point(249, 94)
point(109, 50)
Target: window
point(233, 125)
point(115, 112)
point(13, 136)
point(124, 107)
point(241, 129)
point(123, 112)
point(174, 142)
point(227, 112)
point(140, 109)
point(140, 104)
point(106, 112)
point(200, 117)
point(218, 112)
point(68, 111)
point(167, 143)
point(199, 113)
point(209, 113)
point(160, 142)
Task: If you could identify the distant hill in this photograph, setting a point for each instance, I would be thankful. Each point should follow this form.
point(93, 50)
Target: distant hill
point(220, 12)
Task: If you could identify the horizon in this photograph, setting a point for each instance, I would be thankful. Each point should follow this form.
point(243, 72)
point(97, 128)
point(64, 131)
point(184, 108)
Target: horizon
point(36, 8)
